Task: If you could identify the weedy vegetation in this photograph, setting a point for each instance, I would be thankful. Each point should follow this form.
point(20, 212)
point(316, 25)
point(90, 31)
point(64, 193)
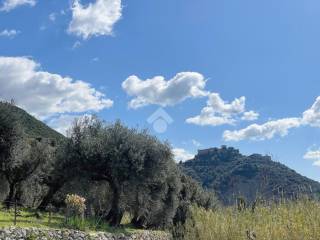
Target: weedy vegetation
point(282, 221)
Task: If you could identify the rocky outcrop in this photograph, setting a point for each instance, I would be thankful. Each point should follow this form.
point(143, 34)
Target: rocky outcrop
point(16, 233)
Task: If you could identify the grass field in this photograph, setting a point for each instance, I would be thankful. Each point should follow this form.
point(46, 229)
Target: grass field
point(28, 218)
point(284, 221)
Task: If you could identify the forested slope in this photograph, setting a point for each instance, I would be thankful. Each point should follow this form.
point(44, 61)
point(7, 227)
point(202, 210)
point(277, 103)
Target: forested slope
point(31, 126)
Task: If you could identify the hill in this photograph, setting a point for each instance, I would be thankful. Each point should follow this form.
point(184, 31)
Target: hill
point(31, 126)
point(230, 175)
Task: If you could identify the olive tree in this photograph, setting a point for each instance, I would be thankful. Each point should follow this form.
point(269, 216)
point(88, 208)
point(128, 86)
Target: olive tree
point(154, 201)
point(62, 169)
point(137, 167)
point(123, 157)
point(20, 155)
point(26, 157)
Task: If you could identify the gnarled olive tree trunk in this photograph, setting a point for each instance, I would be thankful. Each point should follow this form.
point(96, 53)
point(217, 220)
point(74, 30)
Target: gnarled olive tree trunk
point(9, 201)
point(115, 214)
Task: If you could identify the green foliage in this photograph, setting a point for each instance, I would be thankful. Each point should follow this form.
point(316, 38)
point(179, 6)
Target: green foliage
point(26, 157)
point(79, 223)
point(31, 237)
point(192, 194)
point(92, 224)
point(30, 125)
point(62, 170)
point(230, 174)
point(139, 170)
point(97, 194)
point(26, 146)
point(138, 167)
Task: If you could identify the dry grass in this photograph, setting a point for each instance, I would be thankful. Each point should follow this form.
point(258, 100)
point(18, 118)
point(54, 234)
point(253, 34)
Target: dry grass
point(284, 221)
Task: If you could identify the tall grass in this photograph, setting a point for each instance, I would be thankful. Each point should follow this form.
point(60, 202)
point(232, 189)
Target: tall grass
point(283, 221)
point(97, 224)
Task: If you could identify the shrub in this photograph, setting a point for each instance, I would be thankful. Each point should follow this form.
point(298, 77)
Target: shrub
point(75, 206)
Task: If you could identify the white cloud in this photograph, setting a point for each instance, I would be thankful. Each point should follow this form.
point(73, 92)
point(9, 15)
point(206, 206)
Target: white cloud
point(181, 155)
point(76, 45)
point(46, 94)
point(220, 106)
point(313, 155)
point(208, 118)
point(95, 19)
point(9, 5)
point(9, 33)
point(250, 116)
point(312, 115)
point(265, 131)
point(62, 123)
point(219, 112)
point(196, 143)
point(52, 17)
point(163, 92)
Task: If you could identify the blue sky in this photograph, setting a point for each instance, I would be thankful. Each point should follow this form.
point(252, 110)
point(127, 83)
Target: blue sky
point(208, 53)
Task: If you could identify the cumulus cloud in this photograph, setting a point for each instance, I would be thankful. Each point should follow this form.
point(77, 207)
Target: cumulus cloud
point(265, 131)
point(313, 155)
point(250, 116)
point(163, 92)
point(46, 94)
point(312, 115)
point(62, 123)
point(268, 130)
point(208, 118)
point(220, 106)
point(181, 155)
point(9, 5)
point(9, 33)
point(95, 19)
point(219, 112)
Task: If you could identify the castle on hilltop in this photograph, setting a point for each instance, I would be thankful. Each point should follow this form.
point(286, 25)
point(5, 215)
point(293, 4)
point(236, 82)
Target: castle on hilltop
point(206, 151)
point(213, 150)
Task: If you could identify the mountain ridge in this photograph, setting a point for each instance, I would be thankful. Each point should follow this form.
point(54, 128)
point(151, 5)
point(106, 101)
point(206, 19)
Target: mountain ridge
point(231, 174)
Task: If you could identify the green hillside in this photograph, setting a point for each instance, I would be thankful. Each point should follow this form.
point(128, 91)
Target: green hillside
point(30, 125)
point(230, 175)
